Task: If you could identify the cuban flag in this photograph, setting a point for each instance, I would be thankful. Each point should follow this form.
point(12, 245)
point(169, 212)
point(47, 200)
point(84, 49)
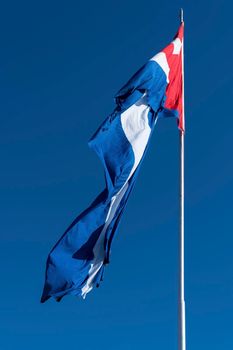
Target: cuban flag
point(76, 263)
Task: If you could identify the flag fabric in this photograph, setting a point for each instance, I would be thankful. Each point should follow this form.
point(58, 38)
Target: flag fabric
point(76, 263)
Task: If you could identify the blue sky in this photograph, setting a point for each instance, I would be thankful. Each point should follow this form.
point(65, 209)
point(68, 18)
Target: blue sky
point(61, 64)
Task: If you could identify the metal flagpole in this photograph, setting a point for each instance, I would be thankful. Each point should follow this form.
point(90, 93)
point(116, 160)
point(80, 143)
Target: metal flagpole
point(181, 301)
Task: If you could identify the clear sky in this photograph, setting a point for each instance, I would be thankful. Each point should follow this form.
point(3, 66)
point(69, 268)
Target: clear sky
point(61, 64)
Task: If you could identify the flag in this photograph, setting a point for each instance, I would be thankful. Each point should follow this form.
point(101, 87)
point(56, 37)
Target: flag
point(76, 263)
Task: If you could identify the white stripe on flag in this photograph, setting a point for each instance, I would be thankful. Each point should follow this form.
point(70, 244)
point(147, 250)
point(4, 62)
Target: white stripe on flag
point(161, 59)
point(135, 125)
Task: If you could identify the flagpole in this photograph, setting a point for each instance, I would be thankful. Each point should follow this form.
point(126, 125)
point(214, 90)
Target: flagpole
point(181, 300)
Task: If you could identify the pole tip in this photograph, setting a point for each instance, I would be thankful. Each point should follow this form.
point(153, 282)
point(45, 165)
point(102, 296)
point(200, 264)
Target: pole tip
point(181, 15)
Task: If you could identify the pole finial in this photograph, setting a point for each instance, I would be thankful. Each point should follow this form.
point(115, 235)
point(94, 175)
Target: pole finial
point(181, 15)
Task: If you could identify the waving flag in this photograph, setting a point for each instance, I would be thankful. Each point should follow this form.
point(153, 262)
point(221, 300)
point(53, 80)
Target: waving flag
point(76, 263)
